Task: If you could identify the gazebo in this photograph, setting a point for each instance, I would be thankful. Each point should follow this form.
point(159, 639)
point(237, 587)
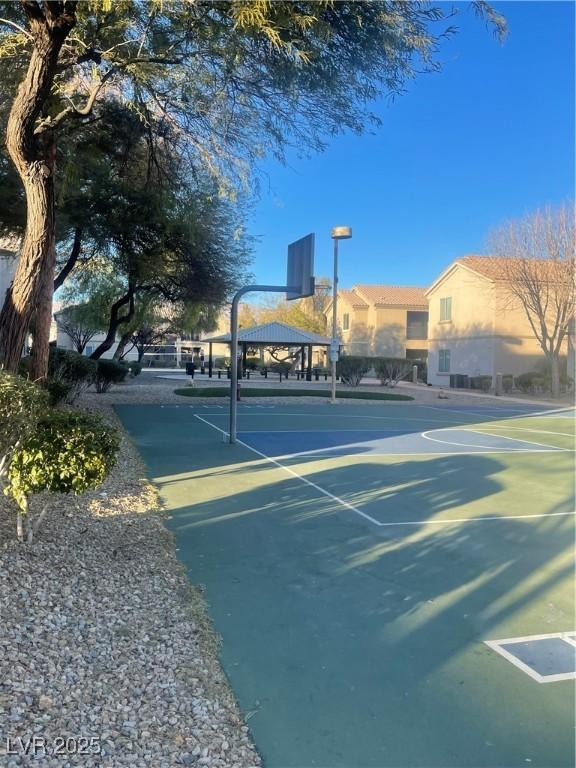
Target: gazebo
point(273, 335)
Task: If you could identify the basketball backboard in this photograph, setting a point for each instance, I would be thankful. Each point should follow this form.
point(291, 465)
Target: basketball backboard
point(300, 278)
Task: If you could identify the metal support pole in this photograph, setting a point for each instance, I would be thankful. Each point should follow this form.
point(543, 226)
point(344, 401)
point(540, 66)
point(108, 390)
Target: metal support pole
point(334, 322)
point(234, 347)
point(210, 360)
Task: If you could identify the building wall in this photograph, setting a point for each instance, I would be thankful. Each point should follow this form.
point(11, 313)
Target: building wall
point(357, 338)
point(469, 335)
point(489, 332)
point(64, 342)
point(375, 330)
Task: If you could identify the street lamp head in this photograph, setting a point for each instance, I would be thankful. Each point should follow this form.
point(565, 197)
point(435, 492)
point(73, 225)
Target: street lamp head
point(341, 233)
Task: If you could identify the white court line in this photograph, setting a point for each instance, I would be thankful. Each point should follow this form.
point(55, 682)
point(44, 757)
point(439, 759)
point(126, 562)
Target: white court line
point(315, 453)
point(496, 645)
point(516, 439)
point(529, 429)
point(547, 449)
point(314, 431)
point(369, 517)
point(331, 415)
point(567, 411)
point(296, 475)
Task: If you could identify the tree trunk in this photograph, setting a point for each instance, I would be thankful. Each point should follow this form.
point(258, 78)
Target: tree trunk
point(555, 374)
point(72, 259)
point(116, 320)
point(124, 339)
point(33, 155)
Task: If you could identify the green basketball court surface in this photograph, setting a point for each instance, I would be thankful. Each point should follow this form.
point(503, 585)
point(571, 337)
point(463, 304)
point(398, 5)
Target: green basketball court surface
point(394, 584)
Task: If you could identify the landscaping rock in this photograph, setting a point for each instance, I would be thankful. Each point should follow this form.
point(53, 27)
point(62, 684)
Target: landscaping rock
point(102, 637)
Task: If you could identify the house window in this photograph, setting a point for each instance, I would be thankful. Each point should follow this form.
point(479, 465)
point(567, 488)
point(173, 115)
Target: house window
point(444, 361)
point(88, 350)
point(416, 325)
point(346, 322)
point(446, 309)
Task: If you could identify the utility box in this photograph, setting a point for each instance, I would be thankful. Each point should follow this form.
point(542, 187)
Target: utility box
point(190, 369)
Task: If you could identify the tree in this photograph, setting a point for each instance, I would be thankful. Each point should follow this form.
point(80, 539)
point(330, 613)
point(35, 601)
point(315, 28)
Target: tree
point(79, 323)
point(538, 270)
point(300, 314)
point(224, 81)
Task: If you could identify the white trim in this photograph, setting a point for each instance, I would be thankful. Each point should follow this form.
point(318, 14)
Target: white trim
point(496, 645)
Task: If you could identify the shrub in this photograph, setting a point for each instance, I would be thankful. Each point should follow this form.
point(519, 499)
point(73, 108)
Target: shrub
point(21, 404)
point(507, 383)
point(422, 367)
point(71, 366)
point(68, 368)
point(135, 368)
point(544, 370)
point(530, 382)
point(351, 369)
point(68, 452)
point(109, 372)
point(281, 366)
point(391, 370)
point(252, 363)
point(481, 382)
point(59, 391)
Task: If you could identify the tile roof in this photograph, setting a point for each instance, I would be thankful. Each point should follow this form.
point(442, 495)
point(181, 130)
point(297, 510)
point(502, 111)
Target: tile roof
point(352, 298)
point(393, 295)
point(274, 333)
point(493, 267)
point(488, 266)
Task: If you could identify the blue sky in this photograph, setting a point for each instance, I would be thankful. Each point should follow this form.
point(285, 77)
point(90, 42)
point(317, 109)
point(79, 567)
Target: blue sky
point(488, 138)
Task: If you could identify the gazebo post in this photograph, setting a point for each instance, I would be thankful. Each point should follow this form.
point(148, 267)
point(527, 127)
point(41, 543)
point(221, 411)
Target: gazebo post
point(209, 359)
point(302, 361)
point(244, 355)
point(309, 368)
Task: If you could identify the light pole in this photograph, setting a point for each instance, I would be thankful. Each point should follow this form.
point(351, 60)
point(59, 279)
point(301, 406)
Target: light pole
point(338, 233)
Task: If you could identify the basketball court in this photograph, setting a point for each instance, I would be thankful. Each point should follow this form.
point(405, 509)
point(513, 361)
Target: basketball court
point(393, 583)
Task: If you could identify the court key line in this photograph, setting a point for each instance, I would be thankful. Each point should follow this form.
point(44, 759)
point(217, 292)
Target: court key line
point(547, 448)
point(323, 491)
point(371, 519)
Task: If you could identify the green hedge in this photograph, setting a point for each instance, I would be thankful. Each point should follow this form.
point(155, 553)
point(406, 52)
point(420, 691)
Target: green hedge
point(351, 369)
point(109, 372)
point(482, 383)
point(342, 394)
point(531, 382)
point(69, 374)
point(391, 370)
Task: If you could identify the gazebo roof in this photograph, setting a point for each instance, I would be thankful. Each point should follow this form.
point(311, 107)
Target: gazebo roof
point(276, 333)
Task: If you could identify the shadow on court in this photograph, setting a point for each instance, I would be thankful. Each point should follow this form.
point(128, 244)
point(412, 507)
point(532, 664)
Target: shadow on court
point(351, 645)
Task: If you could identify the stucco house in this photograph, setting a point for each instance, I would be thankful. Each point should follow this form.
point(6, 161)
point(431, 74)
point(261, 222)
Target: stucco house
point(475, 327)
point(385, 320)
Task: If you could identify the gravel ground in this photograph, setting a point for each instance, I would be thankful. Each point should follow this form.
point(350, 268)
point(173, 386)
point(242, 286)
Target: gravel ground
point(102, 636)
point(151, 388)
